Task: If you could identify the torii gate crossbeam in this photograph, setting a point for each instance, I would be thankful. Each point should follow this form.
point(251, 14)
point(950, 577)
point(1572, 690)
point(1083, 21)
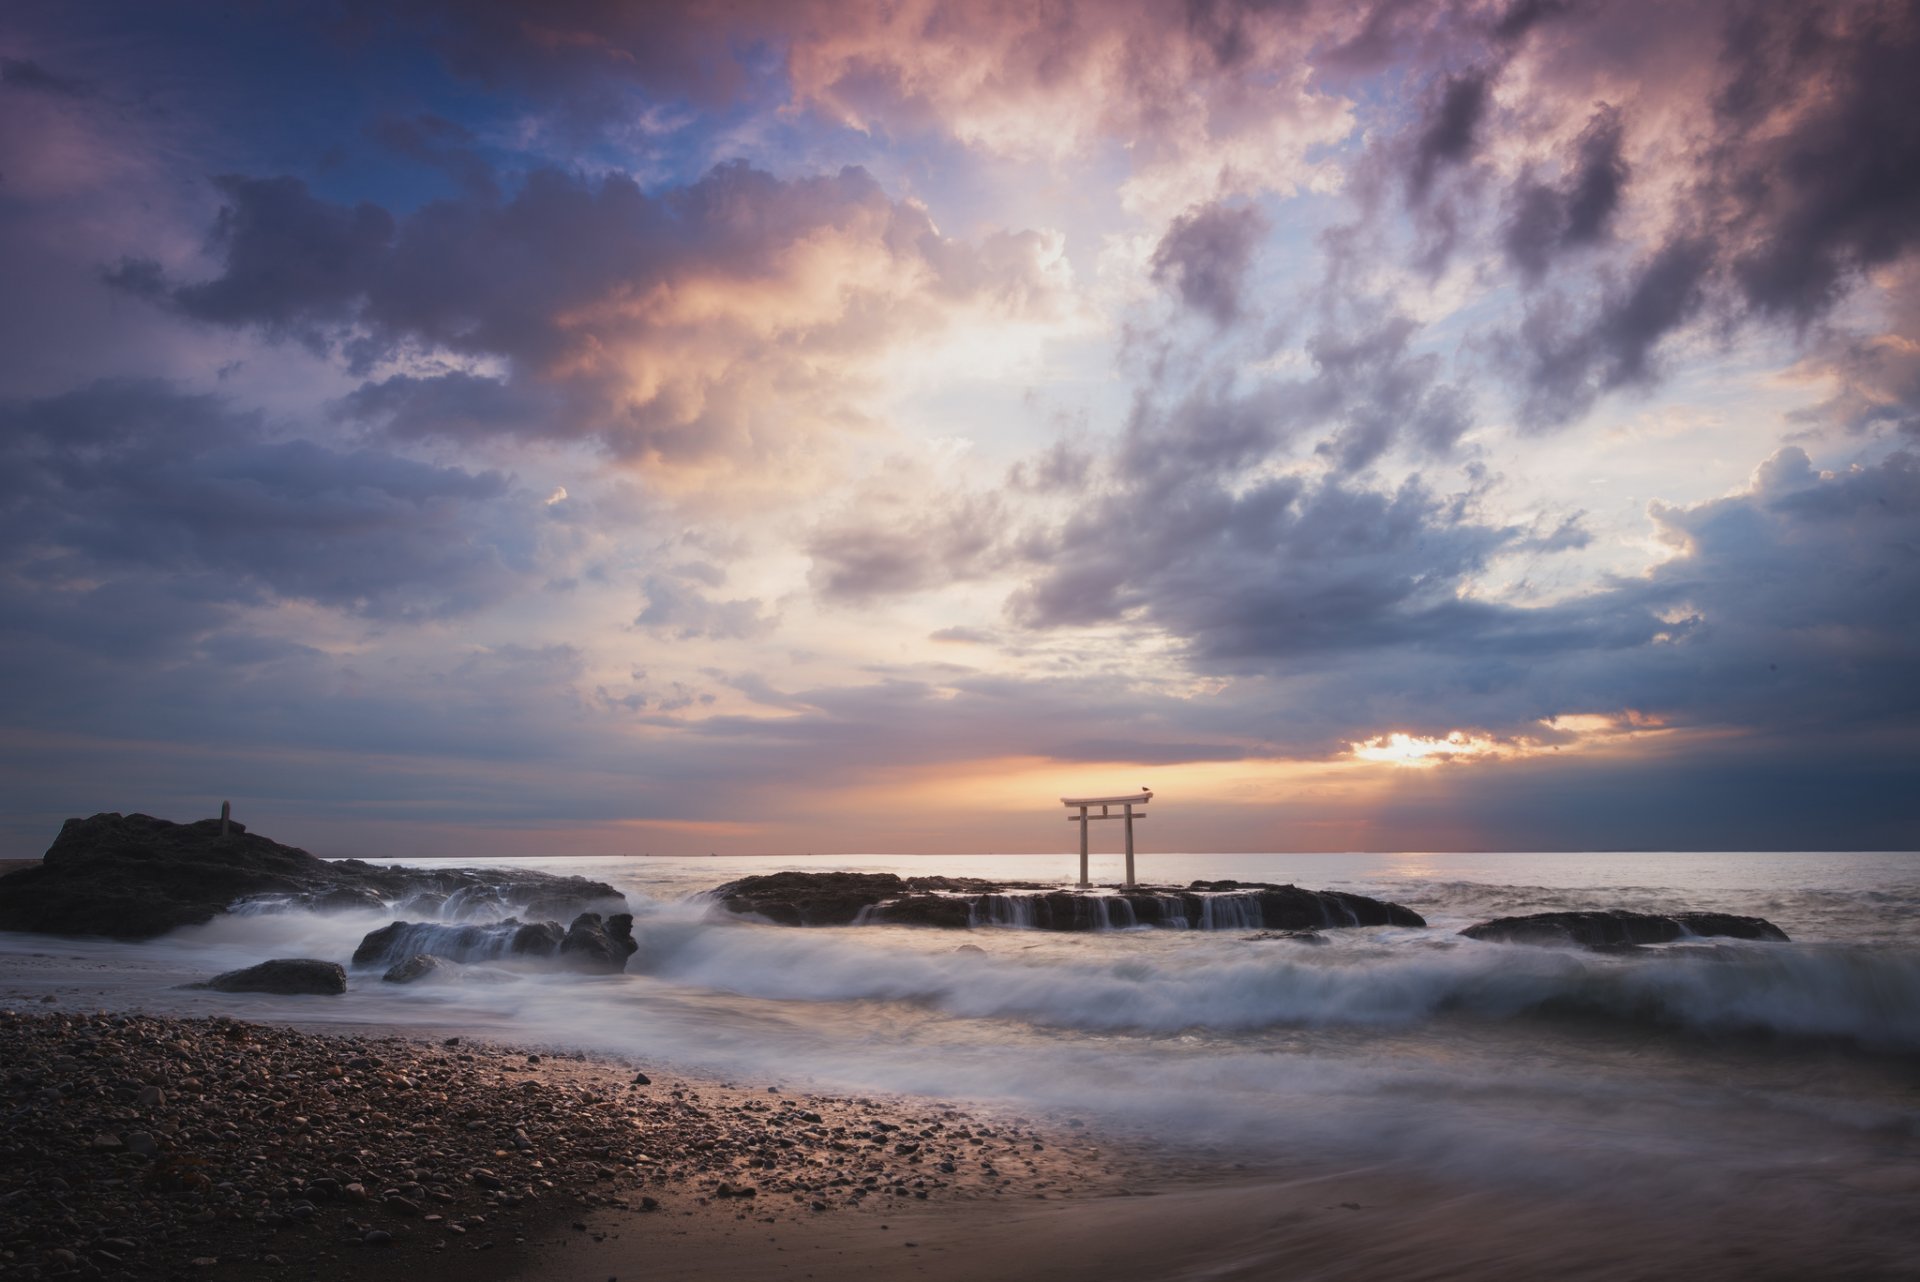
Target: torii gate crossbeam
point(1127, 803)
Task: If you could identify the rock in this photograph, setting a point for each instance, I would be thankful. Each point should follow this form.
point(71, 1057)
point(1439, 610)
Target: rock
point(839, 898)
point(422, 903)
point(135, 876)
point(597, 945)
point(422, 967)
point(290, 975)
point(141, 1144)
point(592, 943)
point(1619, 928)
point(347, 899)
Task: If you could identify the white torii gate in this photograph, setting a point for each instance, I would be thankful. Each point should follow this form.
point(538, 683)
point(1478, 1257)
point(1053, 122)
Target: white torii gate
point(1127, 804)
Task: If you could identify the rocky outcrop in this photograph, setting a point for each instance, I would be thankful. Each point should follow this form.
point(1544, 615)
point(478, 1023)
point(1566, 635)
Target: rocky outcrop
point(135, 876)
point(419, 967)
point(599, 946)
point(840, 899)
point(289, 975)
point(1618, 928)
point(592, 943)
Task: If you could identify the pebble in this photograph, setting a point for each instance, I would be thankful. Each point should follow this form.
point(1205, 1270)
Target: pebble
point(223, 1140)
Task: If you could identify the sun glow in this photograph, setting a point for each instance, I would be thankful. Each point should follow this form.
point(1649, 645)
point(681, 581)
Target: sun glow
point(1412, 750)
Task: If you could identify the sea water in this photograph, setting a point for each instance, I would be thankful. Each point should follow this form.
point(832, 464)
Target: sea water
point(1706, 1068)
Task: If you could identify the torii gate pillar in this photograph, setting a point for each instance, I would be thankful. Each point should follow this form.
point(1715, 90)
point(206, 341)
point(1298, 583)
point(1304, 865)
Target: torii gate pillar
point(1126, 804)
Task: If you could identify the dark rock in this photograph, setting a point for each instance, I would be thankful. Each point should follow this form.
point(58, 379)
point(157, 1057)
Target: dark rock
point(346, 899)
point(1618, 928)
point(135, 876)
point(422, 903)
point(598, 945)
point(592, 943)
point(399, 940)
point(838, 899)
point(422, 967)
point(292, 975)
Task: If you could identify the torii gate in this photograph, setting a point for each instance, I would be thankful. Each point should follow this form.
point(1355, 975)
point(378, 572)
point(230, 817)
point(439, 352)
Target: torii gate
point(1140, 798)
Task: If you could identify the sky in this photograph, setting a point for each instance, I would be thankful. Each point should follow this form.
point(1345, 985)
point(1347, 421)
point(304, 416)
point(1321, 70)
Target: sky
point(782, 426)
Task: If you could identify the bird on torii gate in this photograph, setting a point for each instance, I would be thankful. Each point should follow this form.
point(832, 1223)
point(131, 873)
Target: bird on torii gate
point(1126, 803)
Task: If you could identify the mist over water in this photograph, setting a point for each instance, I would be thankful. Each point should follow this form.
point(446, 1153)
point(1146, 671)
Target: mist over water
point(1701, 1064)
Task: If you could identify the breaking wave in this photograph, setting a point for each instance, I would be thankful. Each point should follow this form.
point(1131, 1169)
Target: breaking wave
point(1868, 995)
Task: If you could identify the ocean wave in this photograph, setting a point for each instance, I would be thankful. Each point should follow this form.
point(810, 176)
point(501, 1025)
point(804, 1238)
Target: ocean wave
point(1868, 995)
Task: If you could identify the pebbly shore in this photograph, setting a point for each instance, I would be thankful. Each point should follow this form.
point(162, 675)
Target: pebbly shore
point(140, 1146)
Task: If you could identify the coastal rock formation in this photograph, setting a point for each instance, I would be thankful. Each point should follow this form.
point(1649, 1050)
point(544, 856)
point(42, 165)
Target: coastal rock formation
point(1619, 928)
point(597, 945)
point(592, 943)
point(420, 966)
point(290, 975)
point(134, 877)
point(841, 899)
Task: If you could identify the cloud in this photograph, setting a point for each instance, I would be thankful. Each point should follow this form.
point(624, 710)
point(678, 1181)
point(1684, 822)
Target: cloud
point(1546, 220)
point(1205, 255)
point(1568, 354)
point(910, 544)
point(136, 479)
point(678, 609)
point(724, 319)
point(1209, 99)
point(29, 75)
point(1447, 137)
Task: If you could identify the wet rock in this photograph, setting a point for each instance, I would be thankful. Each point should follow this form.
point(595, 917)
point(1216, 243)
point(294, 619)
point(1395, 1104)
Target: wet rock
point(840, 898)
point(288, 975)
point(1619, 928)
point(346, 899)
point(599, 945)
point(422, 967)
point(422, 903)
point(135, 876)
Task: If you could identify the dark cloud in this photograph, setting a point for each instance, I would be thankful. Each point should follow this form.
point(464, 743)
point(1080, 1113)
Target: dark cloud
point(1448, 134)
point(134, 478)
point(859, 557)
point(1250, 578)
point(25, 73)
point(1835, 192)
point(440, 144)
point(1567, 357)
point(291, 262)
point(657, 324)
point(1546, 220)
point(1204, 257)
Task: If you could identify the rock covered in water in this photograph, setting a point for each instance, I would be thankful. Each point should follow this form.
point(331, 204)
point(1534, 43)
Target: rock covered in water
point(1619, 928)
point(599, 945)
point(419, 967)
point(843, 898)
point(288, 975)
point(592, 943)
point(135, 876)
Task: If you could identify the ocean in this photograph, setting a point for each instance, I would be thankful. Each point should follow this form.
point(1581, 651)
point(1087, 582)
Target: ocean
point(1772, 1075)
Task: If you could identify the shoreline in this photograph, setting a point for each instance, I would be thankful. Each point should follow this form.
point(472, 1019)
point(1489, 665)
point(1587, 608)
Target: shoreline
point(150, 1146)
point(245, 1149)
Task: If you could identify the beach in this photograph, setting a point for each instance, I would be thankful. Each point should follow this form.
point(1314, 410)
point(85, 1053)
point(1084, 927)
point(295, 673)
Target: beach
point(1114, 1104)
point(149, 1147)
